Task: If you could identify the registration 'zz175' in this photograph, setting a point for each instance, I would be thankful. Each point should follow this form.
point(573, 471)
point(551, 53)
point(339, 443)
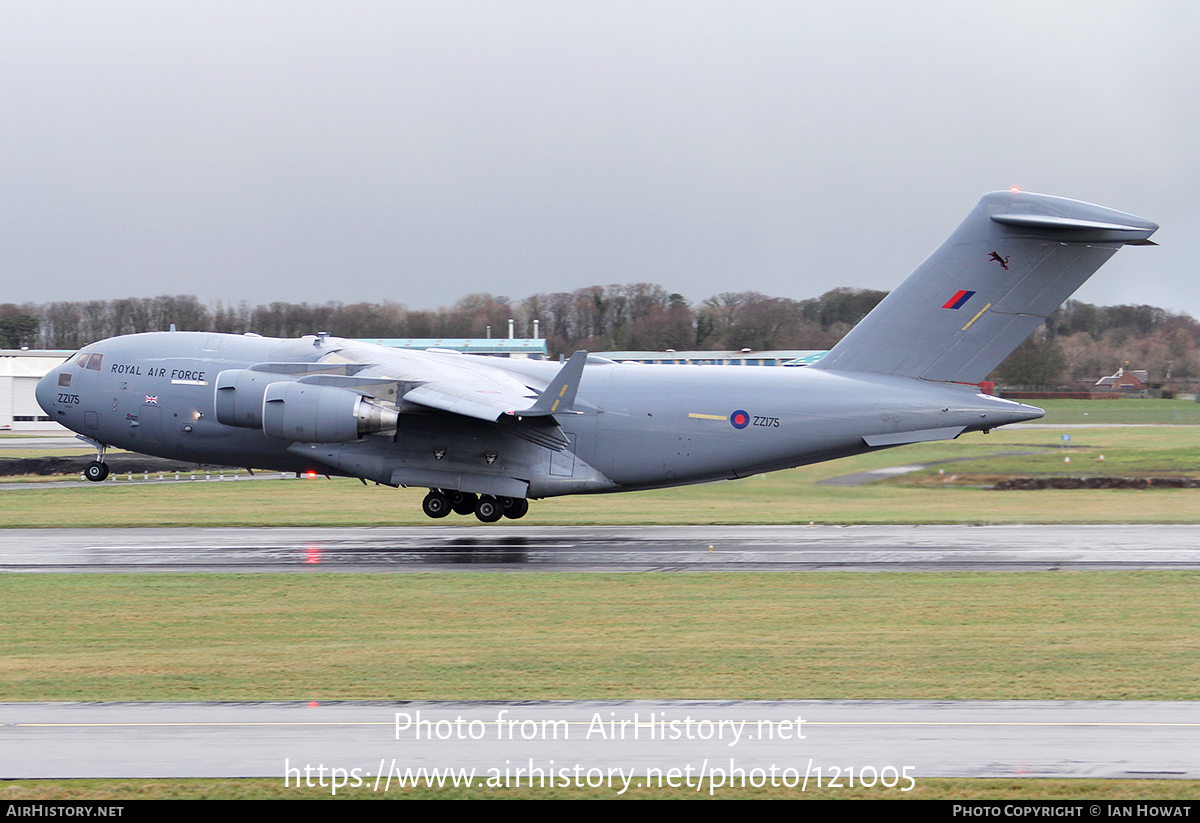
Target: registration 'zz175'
point(68, 399)
point(766, 422)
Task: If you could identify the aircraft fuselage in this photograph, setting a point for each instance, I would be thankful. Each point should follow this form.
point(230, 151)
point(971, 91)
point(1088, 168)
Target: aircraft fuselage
point(635, 427)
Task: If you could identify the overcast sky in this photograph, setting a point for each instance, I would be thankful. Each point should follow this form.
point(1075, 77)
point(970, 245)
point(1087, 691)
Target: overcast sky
point(419, 152)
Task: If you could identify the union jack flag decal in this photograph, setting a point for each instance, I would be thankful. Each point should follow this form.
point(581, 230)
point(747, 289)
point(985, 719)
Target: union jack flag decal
point(152, 398)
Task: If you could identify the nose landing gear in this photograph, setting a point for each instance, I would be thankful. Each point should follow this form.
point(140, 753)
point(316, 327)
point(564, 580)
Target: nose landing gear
point(97, 470)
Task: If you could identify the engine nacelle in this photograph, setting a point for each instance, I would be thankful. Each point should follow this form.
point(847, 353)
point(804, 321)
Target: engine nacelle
point(311, 413)
point(239, 397)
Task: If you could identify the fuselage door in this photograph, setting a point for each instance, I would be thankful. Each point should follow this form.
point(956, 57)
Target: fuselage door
point(562, 464)
point(150, 423)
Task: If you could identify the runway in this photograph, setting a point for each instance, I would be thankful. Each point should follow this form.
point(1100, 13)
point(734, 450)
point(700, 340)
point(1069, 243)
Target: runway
point(602, 549)
point(882, 739)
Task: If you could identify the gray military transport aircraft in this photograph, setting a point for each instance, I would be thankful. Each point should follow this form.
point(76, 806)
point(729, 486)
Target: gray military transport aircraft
point(486, 434)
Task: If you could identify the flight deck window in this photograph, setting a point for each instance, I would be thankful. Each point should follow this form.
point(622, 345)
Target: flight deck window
point(94, 363)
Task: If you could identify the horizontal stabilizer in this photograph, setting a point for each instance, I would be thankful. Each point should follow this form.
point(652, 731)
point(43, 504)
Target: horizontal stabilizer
point(1012, 262)
point(1075, 231)
point(904, 438)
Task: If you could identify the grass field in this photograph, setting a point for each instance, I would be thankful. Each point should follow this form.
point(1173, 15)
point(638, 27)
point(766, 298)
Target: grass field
point(1108, 412)
point(1068, 636)
point(1095, 635)
point(925, 789)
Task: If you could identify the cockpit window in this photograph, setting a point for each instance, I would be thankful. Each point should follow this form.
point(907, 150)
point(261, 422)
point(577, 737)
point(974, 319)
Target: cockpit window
point(81, 360)
point(94, 362)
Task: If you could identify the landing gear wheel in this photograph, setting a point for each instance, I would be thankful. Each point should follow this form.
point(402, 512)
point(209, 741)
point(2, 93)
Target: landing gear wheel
point(489, 509)
point(463, 502)
point(436, 504)
point(95, 471)
point(516, 508)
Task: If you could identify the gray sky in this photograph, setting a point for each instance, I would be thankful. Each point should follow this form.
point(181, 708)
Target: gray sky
point(418, 152)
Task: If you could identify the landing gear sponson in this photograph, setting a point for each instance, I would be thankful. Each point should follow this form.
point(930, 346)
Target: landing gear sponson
point(487, 508)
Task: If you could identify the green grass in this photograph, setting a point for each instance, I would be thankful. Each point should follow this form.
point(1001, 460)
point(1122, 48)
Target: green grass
point(1093, 636)
point(1104, 452)
point(556, 636)
point(925, 789)
point(1141, 411)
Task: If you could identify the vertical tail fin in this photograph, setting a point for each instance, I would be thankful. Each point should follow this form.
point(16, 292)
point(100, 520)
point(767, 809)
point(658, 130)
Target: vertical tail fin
point(1012, 262)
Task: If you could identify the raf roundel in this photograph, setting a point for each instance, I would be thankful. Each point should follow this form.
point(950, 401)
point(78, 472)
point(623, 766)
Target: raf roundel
point(739, 419)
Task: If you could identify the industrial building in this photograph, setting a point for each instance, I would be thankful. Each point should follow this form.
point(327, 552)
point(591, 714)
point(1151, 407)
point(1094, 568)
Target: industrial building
point(20, 371)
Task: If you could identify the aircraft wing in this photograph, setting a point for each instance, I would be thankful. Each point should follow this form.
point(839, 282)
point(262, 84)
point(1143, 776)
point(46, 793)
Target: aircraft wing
point(466, 394)
point(466, 398)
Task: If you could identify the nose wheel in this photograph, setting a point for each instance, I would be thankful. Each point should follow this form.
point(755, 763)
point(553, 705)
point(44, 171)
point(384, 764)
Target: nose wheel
point(95, 471)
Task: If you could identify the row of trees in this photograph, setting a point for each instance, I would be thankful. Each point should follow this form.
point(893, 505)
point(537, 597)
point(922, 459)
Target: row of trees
point(1077, 344)
point(1081, 342)
point(598, 318)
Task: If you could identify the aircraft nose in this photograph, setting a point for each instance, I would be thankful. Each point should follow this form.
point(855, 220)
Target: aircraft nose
point(46, 392)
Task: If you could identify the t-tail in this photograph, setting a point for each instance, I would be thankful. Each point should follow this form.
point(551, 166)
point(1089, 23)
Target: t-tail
point(1012, 262)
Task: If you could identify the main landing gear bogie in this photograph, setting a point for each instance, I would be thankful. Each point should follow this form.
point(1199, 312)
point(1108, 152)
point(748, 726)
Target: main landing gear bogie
point(435, 504)
point(463, 502)
point(487, 508)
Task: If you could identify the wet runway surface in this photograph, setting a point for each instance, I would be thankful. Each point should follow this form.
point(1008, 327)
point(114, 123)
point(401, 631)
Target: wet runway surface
point(877, 740)
point(602, 549)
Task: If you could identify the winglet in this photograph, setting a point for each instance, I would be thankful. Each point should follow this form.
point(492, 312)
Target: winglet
point(559, 396)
